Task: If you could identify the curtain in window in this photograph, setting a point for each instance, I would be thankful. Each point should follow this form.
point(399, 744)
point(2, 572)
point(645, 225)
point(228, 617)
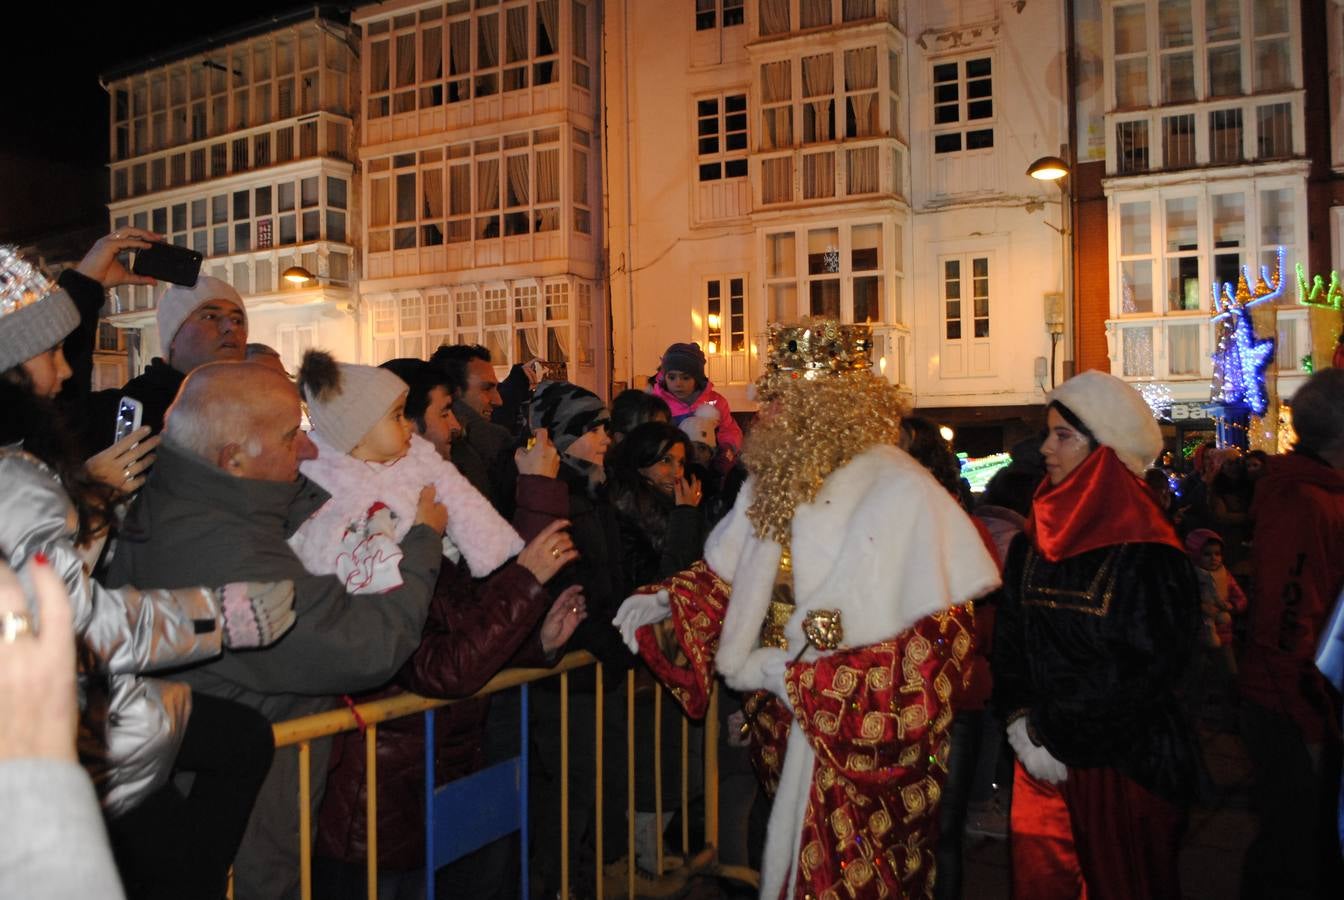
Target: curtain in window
point(530, 343)
point(861, 75)
point(862, 166)
point(853, 10)
point(819, 175)
point(548, 176)
point(487, 184)
point(380, 211)
point(774, 16)
point(487, 41)
point(517, 167)
point(459, 189)
point(405, 60)
point(557, 344)
point(777, 180)
point(459, 48)
point(580, 177)
point(516, 26)
point(814, 13)
point(548, 21)
point(776, 86)
point(819, 81)
point(431, 185)
point(431, 49)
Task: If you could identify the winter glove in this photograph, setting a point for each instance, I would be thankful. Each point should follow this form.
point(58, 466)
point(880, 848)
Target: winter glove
point(763, 670)
point(639, 610)
point(256, 613)
point(1037, 760)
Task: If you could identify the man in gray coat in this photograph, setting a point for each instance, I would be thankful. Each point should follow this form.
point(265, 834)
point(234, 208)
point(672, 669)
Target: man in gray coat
point(222, 499)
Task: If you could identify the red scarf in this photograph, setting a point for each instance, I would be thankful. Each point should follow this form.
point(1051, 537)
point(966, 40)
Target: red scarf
point(1101, 503)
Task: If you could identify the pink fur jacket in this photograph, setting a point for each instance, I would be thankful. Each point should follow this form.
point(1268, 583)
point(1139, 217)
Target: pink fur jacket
point(355, 535)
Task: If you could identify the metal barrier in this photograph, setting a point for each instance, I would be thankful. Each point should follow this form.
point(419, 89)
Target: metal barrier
point(302, 731)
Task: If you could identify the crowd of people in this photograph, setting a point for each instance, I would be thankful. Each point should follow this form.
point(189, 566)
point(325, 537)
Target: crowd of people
point(268, 545)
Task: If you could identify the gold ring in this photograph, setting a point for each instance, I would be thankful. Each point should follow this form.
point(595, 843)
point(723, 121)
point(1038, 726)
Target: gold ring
point(555, 552)
point(14, 625)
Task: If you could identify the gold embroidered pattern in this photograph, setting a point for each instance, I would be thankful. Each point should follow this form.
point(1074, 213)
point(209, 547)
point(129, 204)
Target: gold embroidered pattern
point(879, 823)
point(1095, 601)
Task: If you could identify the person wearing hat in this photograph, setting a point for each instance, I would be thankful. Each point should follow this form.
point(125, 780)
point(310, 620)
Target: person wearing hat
point(204, 323)
point(1098, 622)
point(134, 731)
point(836, 595)
point(681, 382)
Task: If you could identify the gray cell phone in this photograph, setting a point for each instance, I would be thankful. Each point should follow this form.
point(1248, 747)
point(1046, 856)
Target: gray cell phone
point(129, 413)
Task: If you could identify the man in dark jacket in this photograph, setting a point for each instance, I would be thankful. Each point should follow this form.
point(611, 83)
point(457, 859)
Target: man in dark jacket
point(1290, 713)
point(201, 324)
point(484, 452)
point(222, 499)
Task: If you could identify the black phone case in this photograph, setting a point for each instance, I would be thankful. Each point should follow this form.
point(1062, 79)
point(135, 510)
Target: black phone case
point(168, 262)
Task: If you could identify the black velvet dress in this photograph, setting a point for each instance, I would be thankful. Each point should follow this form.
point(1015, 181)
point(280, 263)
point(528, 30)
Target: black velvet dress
point(1092, 647)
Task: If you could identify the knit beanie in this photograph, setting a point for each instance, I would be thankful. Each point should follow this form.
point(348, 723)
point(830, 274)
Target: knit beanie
point(702, 425)
point(566, 411)
point(1195, 541)
point(688, 358)
point(345, 400)
point(178, 302)
point(33, 317)
point(1116, 415)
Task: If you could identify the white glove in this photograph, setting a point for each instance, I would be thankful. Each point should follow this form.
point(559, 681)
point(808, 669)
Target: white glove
point(639, 610)
point(763, 670)
point(1037, 760)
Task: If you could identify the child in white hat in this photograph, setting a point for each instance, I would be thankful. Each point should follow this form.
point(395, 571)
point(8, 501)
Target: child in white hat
point(375, 467)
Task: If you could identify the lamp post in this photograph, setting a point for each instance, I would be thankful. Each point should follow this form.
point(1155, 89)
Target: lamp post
point(1053, 168)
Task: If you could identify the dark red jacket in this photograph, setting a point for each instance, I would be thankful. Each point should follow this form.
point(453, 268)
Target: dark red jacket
point(474, 629)
point(1298, 551)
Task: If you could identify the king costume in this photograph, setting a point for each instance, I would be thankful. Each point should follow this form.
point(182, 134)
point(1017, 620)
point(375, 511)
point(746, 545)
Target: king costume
point(837, 592)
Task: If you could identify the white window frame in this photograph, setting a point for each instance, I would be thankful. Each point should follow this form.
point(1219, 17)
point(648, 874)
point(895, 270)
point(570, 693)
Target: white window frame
point(721, 156)
point(964, 126)
point(888, 270)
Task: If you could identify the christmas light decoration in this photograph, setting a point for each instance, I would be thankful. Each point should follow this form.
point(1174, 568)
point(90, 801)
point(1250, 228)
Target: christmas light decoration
point(1157, 396)
point(1241, 358)
point(1316, 293)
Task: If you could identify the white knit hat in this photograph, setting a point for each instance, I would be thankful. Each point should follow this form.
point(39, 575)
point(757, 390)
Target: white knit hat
point(178, 302)
point(701, 425)
point(33, 317)
point(345, 400)
point(1116, 414)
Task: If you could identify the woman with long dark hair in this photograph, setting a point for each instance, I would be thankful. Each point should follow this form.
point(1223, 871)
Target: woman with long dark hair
point(1096, 626)
point(134, 731)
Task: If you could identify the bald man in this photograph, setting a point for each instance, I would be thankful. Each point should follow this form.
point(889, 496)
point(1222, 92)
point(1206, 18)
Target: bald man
point(223, 497)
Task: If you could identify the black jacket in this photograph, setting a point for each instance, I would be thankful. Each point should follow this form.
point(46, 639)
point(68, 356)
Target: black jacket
point(1092, 648)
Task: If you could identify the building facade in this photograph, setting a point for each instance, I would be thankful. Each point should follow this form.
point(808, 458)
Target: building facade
point(480, 155)
point(771, 159)
point(1210, 140)
point(242, 148)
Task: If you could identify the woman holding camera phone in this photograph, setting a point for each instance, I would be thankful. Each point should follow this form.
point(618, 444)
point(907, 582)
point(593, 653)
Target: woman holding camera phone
point(135, 732)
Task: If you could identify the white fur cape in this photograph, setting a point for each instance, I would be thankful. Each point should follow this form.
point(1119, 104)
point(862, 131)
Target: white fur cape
point(475, 530)
point(883, 543)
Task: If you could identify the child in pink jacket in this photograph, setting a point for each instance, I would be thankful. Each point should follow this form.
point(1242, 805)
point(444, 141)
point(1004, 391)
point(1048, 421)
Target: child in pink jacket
point(682, 384)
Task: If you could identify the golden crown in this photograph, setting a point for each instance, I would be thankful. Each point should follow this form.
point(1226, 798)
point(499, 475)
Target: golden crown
point(814, 349)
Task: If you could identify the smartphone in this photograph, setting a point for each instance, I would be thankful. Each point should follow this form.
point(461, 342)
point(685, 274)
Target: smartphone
point(168, 262)
point(129, 412)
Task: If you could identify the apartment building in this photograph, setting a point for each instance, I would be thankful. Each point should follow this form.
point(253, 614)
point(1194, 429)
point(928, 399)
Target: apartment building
point(1212, 139)
point(480, 154)
point(770, 159)
point(241, 147)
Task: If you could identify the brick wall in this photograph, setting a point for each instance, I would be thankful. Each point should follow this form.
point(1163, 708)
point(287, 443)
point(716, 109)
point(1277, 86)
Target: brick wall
point(1091, 275)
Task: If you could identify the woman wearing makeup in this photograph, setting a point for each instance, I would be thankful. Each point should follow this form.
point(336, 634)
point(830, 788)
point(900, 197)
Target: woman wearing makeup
point(1098, 621)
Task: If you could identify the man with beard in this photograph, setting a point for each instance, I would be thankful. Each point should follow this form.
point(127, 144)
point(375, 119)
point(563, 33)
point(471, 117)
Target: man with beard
point(837, 593)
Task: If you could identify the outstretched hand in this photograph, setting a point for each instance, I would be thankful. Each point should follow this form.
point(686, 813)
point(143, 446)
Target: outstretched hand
point(122, 466)
point(568, 610)
point(549, 552)
point(103, 264)
point(540, 457)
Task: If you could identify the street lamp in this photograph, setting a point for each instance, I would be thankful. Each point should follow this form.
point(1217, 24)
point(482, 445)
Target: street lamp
point(1053, 168)
point(298, 275)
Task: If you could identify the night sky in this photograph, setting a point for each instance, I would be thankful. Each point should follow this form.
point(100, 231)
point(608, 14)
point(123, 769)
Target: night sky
point(53, 146)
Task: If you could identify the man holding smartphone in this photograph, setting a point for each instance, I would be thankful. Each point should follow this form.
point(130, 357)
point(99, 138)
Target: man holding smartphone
point(204, 323)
